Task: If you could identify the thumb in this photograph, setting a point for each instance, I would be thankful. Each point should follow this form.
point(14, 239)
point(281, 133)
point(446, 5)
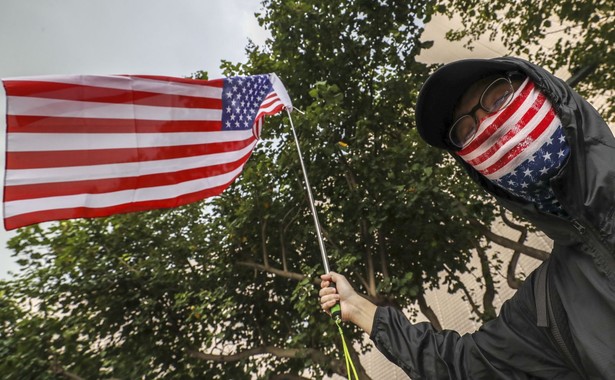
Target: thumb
point(334, 276)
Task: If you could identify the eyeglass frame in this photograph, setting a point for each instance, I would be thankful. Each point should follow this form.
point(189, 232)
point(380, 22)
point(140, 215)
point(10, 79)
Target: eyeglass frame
point(479, 105)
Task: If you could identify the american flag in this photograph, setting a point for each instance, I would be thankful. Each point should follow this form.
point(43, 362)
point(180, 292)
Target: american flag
point(91, 146)
point(525, 154)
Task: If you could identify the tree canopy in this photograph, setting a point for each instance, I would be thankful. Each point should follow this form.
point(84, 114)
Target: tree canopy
point(583, 35)
point(227, 288)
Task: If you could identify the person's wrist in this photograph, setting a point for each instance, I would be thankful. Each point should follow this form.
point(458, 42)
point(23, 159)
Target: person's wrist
point(362, 313)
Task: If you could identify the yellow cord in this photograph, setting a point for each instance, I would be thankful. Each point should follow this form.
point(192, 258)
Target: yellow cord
point(349, 363)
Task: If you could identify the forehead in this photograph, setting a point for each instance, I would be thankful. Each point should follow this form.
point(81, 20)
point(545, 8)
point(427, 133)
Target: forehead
point(472, 94)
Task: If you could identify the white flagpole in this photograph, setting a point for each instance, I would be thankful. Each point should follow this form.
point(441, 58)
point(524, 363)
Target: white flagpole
point(321, 243)
point(280, 90)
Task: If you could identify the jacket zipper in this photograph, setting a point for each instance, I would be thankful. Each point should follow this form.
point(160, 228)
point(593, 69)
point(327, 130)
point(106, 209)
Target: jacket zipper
point(559, 340)
point(579, 227)
point(600, 244)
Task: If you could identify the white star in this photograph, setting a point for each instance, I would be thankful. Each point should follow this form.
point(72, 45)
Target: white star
point(560, 153)
point(544, 170)
point(547, 156)
point(233, 117)
point(524, 185)
point(527, 172)
point(562, 138)
point(550, 141)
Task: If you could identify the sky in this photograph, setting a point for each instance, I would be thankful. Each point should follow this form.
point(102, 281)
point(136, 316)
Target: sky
point(159, 37)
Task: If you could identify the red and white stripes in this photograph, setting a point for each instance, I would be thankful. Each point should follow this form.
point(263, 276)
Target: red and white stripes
point(88, 146)
point(506, 139)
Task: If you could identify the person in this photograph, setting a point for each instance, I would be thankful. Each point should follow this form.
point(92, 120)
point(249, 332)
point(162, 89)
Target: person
point(545, 154)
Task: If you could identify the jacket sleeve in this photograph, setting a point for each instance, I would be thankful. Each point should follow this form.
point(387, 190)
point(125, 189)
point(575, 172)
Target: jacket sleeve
point(508, 347)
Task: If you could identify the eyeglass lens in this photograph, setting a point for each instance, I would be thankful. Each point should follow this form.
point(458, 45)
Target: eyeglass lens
point(493, 99)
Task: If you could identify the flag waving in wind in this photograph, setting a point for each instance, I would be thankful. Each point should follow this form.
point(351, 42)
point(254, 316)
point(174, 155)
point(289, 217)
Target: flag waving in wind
point(90, 146)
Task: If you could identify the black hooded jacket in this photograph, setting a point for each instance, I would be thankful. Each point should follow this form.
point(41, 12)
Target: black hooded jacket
point(580, 272)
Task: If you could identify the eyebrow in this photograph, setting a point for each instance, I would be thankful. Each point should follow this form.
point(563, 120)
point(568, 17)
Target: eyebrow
point(480, 88)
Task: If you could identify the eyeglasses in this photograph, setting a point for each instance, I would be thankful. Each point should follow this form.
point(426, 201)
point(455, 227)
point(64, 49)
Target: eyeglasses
point(494, 98)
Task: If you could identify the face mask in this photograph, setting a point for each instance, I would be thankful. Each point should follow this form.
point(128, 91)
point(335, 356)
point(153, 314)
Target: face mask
point(521, 147)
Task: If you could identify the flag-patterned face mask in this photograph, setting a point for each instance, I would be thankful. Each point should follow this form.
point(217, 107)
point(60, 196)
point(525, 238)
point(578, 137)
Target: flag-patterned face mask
point(521, 147)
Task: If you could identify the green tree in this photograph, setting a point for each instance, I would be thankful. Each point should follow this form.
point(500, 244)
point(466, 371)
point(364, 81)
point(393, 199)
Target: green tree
point(583, 31)
point(227, 288)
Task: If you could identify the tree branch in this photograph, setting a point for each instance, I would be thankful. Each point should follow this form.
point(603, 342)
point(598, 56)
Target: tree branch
point(363, 281)
point(488, 308)
point(262, 350)
point(291, 353)
point(287, 376)
point(277, 272)
point(325, 234)
point(371, 275)
point(283, 234)
point(57, 369)
point(509, 222)
point(299, 277)
point(264, 241)
point(354, 356)
point(428, 312)
point(501, 240)
point(460, 285)
point(508, 243)
point(511, 277)
point(383, 258)
point(352, 182)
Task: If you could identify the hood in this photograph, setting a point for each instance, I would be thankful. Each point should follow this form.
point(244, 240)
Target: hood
point(584, 186)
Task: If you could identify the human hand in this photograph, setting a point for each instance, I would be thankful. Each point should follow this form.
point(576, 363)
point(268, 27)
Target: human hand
point(335, 288)
point(355, 308)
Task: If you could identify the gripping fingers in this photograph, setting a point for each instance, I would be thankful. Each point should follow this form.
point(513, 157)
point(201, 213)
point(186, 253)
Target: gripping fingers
point(327, 291)
point(327, 302)
point(329, 298)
